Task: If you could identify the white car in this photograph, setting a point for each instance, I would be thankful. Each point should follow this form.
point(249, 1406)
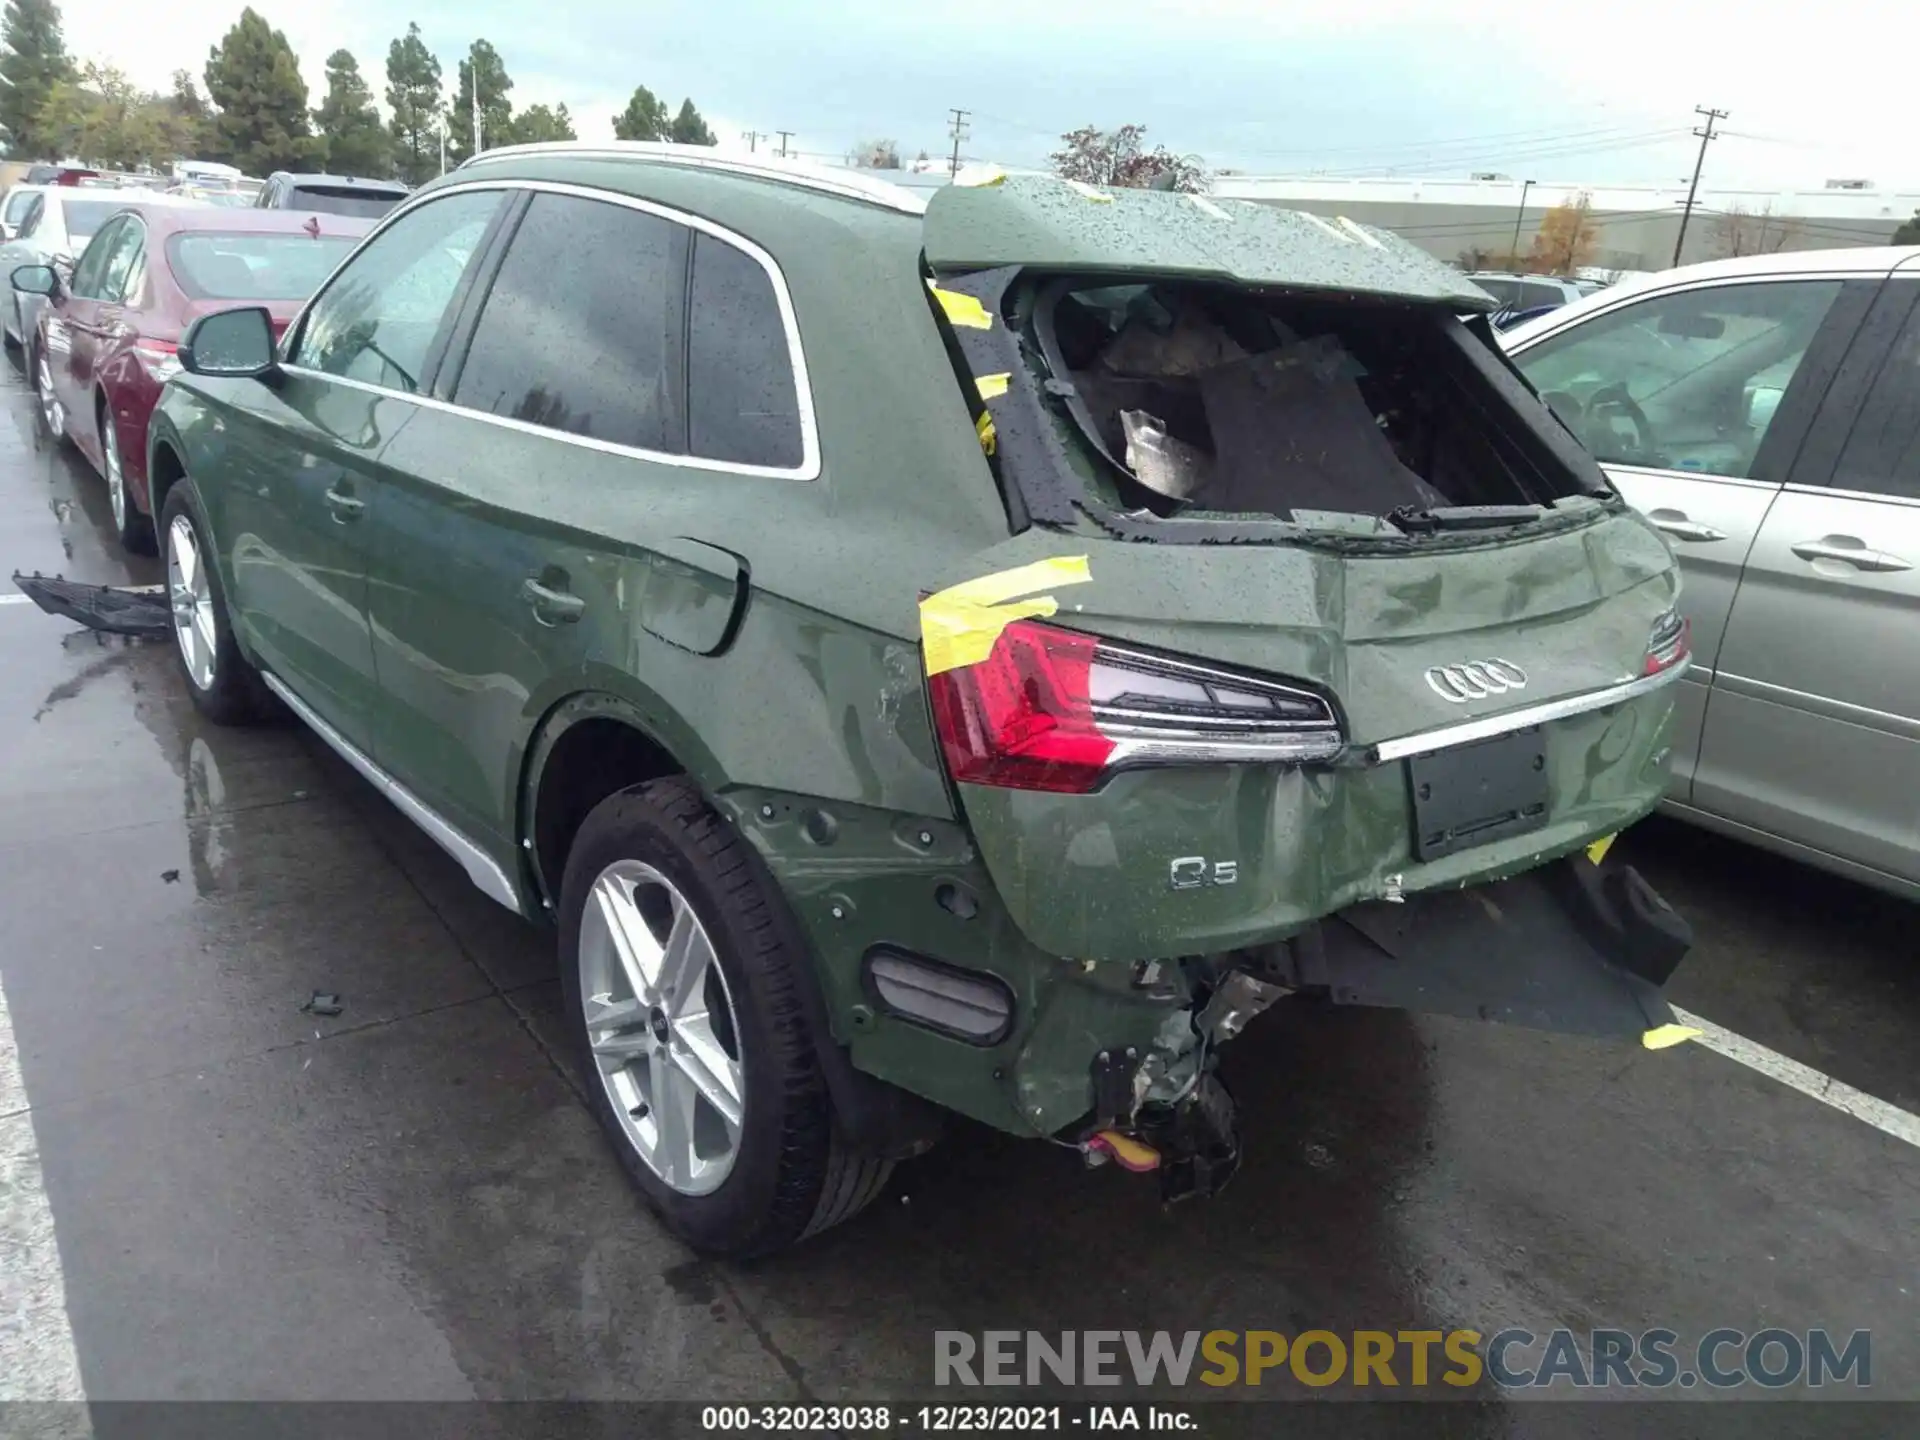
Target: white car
point(54, 228)
point(13, 209)
point(1764, 414)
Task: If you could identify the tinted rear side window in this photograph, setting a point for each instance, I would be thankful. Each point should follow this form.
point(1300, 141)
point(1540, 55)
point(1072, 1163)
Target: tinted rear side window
point(742, 404)
point(581, 330)
point(1883, 449)
point(341, 200)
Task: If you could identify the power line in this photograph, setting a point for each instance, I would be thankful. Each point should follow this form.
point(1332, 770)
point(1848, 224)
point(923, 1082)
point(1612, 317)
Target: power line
point(1706, 135)
point(1530, 155)
point(958, 129)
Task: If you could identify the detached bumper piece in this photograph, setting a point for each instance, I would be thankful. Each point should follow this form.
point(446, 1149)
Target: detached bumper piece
point(1573, 947)
point(117, 610)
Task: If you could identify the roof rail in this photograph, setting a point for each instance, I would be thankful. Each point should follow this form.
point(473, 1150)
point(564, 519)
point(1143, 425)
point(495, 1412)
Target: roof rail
point(847, 184)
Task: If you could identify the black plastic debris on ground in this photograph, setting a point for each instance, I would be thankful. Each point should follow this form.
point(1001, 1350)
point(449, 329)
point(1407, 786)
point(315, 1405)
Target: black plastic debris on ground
point(118, 610)
point(323, 1003)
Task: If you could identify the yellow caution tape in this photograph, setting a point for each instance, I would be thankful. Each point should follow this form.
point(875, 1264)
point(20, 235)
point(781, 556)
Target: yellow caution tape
point(962, 309)
point(1597, 851)
point(992, 387)
point(989, 437)
point(1134, 1155)
point(958, 626)
point(1081, 188)
point(1663, 1036)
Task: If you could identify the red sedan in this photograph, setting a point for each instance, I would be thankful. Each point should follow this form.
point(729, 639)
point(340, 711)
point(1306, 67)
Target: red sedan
point(107, 337)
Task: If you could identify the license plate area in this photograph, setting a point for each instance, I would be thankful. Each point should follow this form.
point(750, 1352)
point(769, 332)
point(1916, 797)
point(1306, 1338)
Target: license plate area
point(1474, 794)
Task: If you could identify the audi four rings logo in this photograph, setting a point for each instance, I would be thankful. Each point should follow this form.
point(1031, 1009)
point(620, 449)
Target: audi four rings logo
point(1475, 680)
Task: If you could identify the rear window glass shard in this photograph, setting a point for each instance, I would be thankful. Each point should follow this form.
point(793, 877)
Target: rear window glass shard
point(1328, 412)
point(581, 329)
point(742, 402)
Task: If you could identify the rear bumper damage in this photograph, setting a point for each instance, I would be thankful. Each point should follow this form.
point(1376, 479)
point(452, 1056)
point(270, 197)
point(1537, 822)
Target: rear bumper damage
point(1576, 946)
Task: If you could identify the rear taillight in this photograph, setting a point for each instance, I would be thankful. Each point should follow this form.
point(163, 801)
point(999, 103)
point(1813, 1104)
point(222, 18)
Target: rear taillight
point(159, 358)
point(1670, 644)
point(1052, 709)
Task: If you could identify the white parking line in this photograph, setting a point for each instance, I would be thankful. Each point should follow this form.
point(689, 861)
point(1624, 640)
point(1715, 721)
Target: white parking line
point(1890, 1119)
point(37, 1359)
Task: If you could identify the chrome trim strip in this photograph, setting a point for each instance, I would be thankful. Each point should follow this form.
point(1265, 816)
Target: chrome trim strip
point(809, 467)
point(487, 876)
point(1876, 497)
point(1634, 295)
point(1887, 722)
point(810, 177)
point(1448, 736)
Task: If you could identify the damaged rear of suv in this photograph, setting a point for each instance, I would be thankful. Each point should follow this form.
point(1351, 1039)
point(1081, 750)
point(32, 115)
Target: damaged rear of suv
point(964, 657)
point(1371, 665)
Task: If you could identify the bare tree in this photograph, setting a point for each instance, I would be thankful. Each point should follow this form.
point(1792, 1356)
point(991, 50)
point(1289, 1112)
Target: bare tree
point(1116, 158)
point(1741, 231)
point(876, 155)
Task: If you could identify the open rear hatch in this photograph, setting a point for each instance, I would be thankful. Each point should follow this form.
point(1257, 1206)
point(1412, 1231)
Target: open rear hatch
point(1312, 608)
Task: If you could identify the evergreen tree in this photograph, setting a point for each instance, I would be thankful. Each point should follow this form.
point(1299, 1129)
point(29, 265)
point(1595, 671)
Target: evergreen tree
point(357, 142)
point(33, 63)
point(254, 77)
point(413, 95)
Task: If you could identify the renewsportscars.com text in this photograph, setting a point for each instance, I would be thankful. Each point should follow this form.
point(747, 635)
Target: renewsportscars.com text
point(1512, 1358)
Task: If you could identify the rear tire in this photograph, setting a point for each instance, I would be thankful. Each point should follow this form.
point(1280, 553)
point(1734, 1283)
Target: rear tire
point(53, 414)
point(225, 688)
point(787, 1175)
point(134, 530)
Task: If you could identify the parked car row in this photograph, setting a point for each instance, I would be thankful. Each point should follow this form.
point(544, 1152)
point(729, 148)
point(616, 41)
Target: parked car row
point(108, 330)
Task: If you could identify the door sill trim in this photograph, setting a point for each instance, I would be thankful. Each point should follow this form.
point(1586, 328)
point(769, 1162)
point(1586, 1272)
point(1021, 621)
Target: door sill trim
point(481, 868)
point(1868, 875)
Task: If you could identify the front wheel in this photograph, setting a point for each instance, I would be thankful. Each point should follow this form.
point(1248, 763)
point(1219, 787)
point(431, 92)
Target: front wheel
point(682, 973)
point(225, 688)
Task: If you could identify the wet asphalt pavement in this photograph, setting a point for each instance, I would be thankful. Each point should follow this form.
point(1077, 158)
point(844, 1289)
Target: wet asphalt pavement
point(409, 1199)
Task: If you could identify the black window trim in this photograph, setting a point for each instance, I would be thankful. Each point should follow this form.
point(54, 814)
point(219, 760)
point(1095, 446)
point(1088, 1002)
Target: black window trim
point(809, 467)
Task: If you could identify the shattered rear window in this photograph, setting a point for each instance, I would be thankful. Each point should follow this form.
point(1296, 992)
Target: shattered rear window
point(1220, 399)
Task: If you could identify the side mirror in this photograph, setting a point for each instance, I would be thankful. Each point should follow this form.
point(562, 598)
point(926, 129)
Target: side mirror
point(36, 280)
point(230, 342)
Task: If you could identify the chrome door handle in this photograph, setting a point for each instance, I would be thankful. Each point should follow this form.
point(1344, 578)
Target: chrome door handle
point(346, 508)
point(1850, 551)
point(551, 606)
point(1676, 524)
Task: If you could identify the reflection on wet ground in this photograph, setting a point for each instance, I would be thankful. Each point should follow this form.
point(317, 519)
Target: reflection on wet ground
point(408, 1199)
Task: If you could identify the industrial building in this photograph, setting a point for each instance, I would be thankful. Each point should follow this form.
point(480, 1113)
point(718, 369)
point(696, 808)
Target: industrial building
point(1481, 220)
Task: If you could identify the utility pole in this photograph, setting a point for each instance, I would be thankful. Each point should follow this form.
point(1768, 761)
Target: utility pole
point(1705, 133)
point(958, 129)
point(1513, 250)
point(785, 135)
point(753, 139)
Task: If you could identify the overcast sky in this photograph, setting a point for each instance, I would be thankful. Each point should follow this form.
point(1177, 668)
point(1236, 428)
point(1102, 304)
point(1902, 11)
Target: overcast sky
point(1603, 94)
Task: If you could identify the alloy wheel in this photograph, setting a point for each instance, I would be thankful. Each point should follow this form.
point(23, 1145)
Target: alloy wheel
point(116, 479)
point(51, 410)
point(661, 1026)
point(192, 600)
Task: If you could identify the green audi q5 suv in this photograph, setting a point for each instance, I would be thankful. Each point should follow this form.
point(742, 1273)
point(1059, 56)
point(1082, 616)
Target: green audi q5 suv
point(969, 655)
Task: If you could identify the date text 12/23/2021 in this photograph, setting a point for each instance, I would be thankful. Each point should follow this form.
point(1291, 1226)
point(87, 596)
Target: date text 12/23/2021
point(946, 1419)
